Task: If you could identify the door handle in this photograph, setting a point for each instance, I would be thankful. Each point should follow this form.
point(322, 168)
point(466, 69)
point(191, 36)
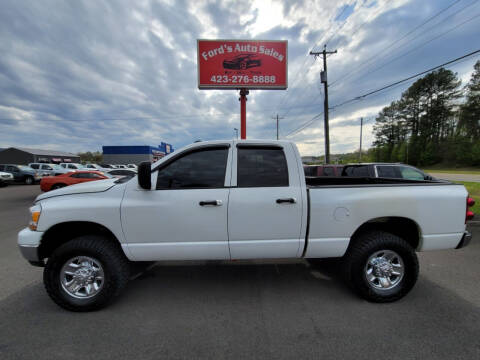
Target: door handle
point(211, 203)
point(287, 201)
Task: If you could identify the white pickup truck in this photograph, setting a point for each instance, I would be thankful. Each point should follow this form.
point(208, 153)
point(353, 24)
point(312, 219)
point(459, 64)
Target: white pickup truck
point(226, 200)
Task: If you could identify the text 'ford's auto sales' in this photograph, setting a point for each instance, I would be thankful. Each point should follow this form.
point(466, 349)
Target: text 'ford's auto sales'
point(242, 49)
point(235, 64)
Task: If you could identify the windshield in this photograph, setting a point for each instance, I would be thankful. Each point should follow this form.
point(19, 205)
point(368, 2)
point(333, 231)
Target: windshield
point(23, 167)
point(56, 167)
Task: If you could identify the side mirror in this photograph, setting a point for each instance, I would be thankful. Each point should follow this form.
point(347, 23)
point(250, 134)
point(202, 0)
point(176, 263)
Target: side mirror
point(145, 175)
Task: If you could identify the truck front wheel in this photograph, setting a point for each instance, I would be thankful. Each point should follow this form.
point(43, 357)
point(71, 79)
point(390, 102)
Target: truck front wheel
point(86, 273)
point(381, 267)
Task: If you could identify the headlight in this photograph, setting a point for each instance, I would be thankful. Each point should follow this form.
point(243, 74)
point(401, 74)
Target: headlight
point(34, 216)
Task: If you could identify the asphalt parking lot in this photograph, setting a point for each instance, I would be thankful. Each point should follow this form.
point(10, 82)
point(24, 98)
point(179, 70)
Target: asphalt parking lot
point(240, 310)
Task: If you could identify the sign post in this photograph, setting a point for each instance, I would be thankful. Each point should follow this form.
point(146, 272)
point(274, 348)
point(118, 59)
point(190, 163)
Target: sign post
point(242, 65)
point(243, 113)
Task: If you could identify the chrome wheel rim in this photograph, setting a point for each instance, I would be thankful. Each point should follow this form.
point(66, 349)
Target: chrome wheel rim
point(384, 270)
point(82, 277)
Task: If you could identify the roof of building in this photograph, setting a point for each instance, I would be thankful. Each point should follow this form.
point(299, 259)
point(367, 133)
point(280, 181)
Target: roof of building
point(44, 152)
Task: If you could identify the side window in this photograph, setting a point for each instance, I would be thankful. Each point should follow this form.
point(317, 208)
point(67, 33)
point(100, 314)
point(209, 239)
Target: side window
point(95, 176)
point(411, 174)
point(12, 169)
point(386, 171)
point(310, 170)
point(78, 175)
point(34, 166)
point(328, 171)
point(2, 167)
point(361, 171)
point(71, 166)
point(199, 169)
point(261, 167)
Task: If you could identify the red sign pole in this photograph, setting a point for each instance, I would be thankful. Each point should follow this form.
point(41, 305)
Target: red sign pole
point(243, 113)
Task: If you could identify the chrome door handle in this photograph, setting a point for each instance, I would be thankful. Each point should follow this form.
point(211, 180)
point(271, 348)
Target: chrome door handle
point(211, 203)
point(287, 201)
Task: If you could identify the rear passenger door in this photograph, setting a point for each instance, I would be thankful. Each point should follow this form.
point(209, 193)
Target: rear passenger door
point(265, 204)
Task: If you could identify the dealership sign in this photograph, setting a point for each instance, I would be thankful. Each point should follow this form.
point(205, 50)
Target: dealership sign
point(242, 64)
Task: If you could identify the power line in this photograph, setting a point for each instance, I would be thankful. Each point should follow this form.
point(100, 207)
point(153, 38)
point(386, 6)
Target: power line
point(360, 97)
point(328, 40)
point(375, 56)
point(138, 118)
point(421, 45)
point(311, 121)
point(332, 17)
point(304, 125)
point(346, 20)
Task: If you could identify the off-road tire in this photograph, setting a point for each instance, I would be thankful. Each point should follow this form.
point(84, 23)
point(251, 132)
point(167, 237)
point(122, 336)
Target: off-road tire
point(115, 265)
point(356, 258)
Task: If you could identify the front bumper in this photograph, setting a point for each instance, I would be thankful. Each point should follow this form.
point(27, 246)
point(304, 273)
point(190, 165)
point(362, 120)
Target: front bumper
point(466, 238)
point(28, 243)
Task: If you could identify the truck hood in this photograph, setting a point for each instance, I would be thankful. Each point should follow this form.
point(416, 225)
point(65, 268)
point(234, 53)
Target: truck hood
point(88, 187)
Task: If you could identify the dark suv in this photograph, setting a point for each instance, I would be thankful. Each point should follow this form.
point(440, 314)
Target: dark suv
point(21, 173)
point(385, 170)
point(242, 62)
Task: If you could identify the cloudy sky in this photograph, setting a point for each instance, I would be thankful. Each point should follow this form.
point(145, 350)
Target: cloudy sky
point(76, 75)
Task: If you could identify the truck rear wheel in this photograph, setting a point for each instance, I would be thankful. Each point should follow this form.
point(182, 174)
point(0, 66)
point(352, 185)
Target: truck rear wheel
point(86, 273)
point(381, 267)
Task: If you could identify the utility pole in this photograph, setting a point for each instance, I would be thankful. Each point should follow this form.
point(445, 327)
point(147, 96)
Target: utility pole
point(361, 126)
point(236, 132)
point(323, 79)
point(278, 118)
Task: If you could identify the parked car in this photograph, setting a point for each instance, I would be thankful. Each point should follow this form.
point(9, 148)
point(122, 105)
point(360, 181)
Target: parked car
point(56, 182)
point(121, 173)
point(132, 166)
point(96, 167)
point(242, 62)
point(5, 178)
point(107, 166)
point(226, 200)
point(385, 170)
point(72, 166)
point(120, 166)
point(323, 170)
point(21, 173)
point(44, 169)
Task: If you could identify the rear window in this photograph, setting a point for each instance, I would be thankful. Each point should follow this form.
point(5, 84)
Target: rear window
point(386, 172)
point(310, 170)
point(328, 171)
point(361, 171)
point(411, 174)
point(261, 167)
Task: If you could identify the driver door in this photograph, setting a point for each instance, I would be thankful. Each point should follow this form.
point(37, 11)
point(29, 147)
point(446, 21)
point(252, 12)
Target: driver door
point(184, 215)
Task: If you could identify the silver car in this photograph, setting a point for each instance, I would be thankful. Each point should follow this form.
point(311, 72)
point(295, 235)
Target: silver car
point(48, 169)
point(5, 178)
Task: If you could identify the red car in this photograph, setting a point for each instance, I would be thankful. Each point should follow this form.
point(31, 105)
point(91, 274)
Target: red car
point(56, 182)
